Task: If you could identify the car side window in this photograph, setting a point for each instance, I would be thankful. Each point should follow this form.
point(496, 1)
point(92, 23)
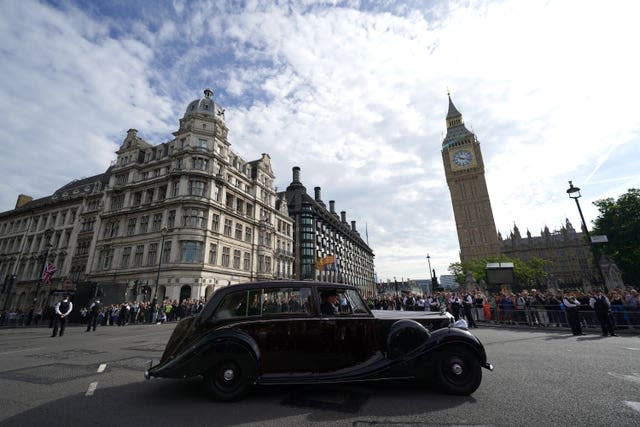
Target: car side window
point(233, 305)
point(355, 302)
point(287, 300)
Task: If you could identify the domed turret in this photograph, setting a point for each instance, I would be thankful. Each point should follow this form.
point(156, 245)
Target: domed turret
point(205, 106)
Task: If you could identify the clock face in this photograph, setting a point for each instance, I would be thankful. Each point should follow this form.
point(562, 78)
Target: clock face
point(462, 158)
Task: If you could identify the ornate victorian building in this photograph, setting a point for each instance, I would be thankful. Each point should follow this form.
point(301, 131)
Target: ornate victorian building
point(173, 220)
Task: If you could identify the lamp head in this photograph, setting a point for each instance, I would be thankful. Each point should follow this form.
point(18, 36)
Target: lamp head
point(573, 192)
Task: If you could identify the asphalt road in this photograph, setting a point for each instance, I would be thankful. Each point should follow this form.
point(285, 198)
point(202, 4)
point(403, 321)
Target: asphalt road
point(541, 378)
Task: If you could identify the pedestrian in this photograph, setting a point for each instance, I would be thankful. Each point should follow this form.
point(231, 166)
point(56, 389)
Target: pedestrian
point(572, 306)
point(61, 311)
point(602, 307)
point(94, 311)
point(467, 304)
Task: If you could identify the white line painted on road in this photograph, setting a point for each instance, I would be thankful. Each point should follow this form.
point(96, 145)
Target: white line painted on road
point(102, 367)
point(633, 405)
point(19, 351)
point(92, 388)
point(634, 377)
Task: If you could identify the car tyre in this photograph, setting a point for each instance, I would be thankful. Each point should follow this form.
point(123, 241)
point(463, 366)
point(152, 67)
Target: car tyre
point(228, 380)
point(457, 370)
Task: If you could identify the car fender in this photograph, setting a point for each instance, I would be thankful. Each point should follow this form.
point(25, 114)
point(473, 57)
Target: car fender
point(405, 338)
point(226, 343)
point(441, 338)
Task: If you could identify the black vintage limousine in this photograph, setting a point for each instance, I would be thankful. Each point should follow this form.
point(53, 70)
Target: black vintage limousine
point(312, 332)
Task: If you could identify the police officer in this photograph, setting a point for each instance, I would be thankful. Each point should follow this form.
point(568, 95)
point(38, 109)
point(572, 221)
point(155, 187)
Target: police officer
point(61, 311)
point(571, 305)
point(94, 311)
point(601, 305)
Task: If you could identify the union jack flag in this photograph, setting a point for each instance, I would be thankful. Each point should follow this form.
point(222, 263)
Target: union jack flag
point(48, 271)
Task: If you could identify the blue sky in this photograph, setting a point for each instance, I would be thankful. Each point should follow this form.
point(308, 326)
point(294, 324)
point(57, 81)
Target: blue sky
point(354, 93)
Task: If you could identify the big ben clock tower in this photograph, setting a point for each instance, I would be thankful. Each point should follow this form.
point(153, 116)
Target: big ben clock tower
point(464, 169)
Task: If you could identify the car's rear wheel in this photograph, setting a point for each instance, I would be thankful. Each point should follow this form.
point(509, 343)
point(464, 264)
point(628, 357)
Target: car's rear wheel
point(457, 370)
point(228, 380)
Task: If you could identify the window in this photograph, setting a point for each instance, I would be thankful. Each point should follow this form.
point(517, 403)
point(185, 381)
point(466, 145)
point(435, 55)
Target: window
point(191, 252)
point(194, 218)
point(247, 261)
point(196, 187)
point(162, 193)
point(122, 178)
point(137, 257)
point(144, 223)
point(213, 253)
point(227, 227)
point(152, 254)
point(149, 197)
point(131, 226)
point(200, 163)
point(104, 259)
point(166, 252)
point(175, 191)
point(215, 222)
point(171, 219)
point(88, 224)
point(248, 234)
point(111, 229)
point(269, 301)
point(137, 198)
point(236, 259)
point(157, 222)
point(238, 231)
point(126, 255)
point(117, 202)
point(203, 144)
point(226, 254)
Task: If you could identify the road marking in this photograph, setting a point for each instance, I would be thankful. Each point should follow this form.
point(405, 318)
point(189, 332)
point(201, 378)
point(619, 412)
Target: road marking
point(635, 377)
point(18, 351)
point(102, 367)
point(633, 405)
point(92, 388)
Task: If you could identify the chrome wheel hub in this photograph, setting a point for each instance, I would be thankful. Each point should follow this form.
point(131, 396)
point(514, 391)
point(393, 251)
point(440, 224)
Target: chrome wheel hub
point(228, 375)
point(456, 368)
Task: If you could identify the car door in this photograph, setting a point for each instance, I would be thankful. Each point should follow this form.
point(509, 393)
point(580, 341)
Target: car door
point(346, 339)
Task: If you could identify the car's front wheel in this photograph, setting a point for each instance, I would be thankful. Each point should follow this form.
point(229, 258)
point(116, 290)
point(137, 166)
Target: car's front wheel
point(457, 370)
point(228, 380)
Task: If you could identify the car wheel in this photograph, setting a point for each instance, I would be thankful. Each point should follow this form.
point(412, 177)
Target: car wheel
point(457, 371)
point(228, 380)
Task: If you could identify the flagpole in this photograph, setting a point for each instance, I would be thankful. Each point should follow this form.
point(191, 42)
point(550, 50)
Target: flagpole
point(47, 238)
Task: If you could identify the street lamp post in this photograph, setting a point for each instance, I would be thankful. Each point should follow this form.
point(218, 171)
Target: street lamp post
point(431, 285)
point(155, 295)
point(574, 193)
point(47, 238)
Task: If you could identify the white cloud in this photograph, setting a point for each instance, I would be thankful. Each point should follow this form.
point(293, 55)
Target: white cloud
point(356, 98)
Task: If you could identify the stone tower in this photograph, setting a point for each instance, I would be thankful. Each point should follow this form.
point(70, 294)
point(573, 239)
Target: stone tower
point(464, 170)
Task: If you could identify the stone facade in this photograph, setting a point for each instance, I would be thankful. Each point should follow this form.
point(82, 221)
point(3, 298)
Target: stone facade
point(183, 217)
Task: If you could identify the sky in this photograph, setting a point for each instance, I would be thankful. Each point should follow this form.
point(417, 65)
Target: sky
point(352, 92)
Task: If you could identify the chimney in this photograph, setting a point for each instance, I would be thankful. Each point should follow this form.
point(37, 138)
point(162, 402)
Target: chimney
point(296, 174)
point(317, 194)
point(332, 206)
point(353, 226)
point(23, 199)
point(343, 216)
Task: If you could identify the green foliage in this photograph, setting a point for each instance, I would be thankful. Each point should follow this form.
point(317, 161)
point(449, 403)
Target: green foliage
point(528, 274)
point(619, 220)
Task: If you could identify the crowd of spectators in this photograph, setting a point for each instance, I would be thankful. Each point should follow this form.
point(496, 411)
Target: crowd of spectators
point(132, 313)
point(527, 307)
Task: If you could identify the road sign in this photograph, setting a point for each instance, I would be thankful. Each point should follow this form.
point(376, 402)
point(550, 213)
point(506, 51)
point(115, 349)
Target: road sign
point(599, 239)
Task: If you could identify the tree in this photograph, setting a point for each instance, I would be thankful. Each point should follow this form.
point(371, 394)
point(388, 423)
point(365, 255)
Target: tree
point(529, 274)
point(619, 220)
